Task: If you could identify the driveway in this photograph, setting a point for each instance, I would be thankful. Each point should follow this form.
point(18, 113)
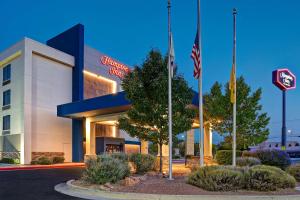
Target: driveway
point(35, 184)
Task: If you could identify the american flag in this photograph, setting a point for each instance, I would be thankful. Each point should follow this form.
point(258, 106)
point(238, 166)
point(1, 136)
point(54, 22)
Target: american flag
point(196, 57)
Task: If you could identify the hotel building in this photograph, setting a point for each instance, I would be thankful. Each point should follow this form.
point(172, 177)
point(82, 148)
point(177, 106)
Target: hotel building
point(63, 98)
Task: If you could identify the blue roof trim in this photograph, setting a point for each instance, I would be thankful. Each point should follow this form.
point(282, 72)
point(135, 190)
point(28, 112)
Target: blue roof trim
point(97, 103)
point(133, 142)
point(111, 101)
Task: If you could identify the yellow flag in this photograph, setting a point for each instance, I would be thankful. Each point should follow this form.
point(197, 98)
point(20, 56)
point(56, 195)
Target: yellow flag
point(232, 85)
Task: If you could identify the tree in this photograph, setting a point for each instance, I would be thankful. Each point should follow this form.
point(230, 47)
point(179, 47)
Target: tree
point(251, 121)
point(147, 89)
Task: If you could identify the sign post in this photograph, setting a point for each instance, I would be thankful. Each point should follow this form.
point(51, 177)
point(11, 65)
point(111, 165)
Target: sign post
point(285, 80)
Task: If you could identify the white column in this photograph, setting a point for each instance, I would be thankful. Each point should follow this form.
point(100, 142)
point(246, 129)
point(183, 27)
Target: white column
point(144, 147)
point(189, 147)
point(207, 141)
point(90, 137)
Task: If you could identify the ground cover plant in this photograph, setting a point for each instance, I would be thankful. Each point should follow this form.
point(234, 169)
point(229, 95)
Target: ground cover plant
point(227, 178)
point(247, 161)
point(294, 170)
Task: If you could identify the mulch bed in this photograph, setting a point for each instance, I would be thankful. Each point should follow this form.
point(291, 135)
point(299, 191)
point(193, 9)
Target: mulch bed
point(157, 185)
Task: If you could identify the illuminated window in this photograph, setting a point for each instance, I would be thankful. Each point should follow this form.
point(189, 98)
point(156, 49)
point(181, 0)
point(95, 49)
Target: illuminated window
point(6, 74)
point(6, 100)
point(6, 124)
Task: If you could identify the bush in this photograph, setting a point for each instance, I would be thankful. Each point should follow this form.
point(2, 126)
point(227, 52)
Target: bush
point(143, 162)
point(294, 170)
point(227, 178)
point(274, 157)
point(217, 178)
point(120, 156)
point(58, 159)
point(224, 157)
point(7, 160)
point(268, 178)
point(43, 161)
point(249, 154)
point(247, 161)
point(105, 169)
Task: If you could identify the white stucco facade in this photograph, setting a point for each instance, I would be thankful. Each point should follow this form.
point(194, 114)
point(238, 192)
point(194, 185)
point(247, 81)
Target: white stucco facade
point(40, 80)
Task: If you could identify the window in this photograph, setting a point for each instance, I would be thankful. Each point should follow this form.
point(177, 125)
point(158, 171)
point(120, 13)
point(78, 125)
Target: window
point(6, 100)
point(6, 124)
point(6, 74)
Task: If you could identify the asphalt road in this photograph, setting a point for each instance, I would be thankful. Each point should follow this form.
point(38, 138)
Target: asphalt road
point(35, 184)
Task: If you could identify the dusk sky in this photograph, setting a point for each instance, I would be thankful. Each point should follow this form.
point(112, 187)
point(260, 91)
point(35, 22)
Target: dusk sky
point(268, 37)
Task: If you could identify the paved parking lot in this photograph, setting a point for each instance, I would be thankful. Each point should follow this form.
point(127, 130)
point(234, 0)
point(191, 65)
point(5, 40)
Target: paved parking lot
point(35, 184)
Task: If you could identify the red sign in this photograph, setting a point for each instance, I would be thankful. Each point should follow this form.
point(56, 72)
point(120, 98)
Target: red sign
point(116, 68)
point(284, 79)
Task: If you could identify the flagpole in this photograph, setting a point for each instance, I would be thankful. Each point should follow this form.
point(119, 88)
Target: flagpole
point(170, 91)
point(234, 104)
point(201, 142)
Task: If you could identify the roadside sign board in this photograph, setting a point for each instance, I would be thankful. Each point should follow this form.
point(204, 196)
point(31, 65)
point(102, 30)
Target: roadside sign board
point(284, 79)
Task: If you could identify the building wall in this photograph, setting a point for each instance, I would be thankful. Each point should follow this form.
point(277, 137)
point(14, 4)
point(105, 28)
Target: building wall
point(51, 86)
point(41, 79)
point(12, 141)
point(92, 63)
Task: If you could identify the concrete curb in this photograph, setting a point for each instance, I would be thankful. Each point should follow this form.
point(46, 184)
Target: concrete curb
point(34, 167)
point(92, 194)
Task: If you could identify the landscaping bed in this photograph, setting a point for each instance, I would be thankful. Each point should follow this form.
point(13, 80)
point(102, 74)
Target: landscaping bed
point(156, 184)
point(135, 173)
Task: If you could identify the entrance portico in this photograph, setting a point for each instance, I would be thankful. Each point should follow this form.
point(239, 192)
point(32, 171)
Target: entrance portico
point(100, 134)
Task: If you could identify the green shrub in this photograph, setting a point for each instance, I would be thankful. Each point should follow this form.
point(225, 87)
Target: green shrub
point(43, 161)
point(224, 157)
point(142, 162)
point(294, 170)
point(217, 178)
point(274, 157)
point(249, 154)
point(58, 159)
point(268, 178)
point(120, 156)
point(7, 160)
point(105, 169)
point(247, 161)
point(227, 178)
point(34, 162)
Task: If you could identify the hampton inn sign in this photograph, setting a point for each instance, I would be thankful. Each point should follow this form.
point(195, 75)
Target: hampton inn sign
point(115, 68)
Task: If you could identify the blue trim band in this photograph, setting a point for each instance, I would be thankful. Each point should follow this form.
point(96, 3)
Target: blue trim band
point(133, 142)
point(108, 104)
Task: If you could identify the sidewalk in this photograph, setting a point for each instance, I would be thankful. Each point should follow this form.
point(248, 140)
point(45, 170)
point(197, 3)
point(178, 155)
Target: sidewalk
point(7, 167)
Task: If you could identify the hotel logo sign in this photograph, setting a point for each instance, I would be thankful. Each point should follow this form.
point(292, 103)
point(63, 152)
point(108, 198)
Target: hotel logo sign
point(284, 79)
point(115, 68)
